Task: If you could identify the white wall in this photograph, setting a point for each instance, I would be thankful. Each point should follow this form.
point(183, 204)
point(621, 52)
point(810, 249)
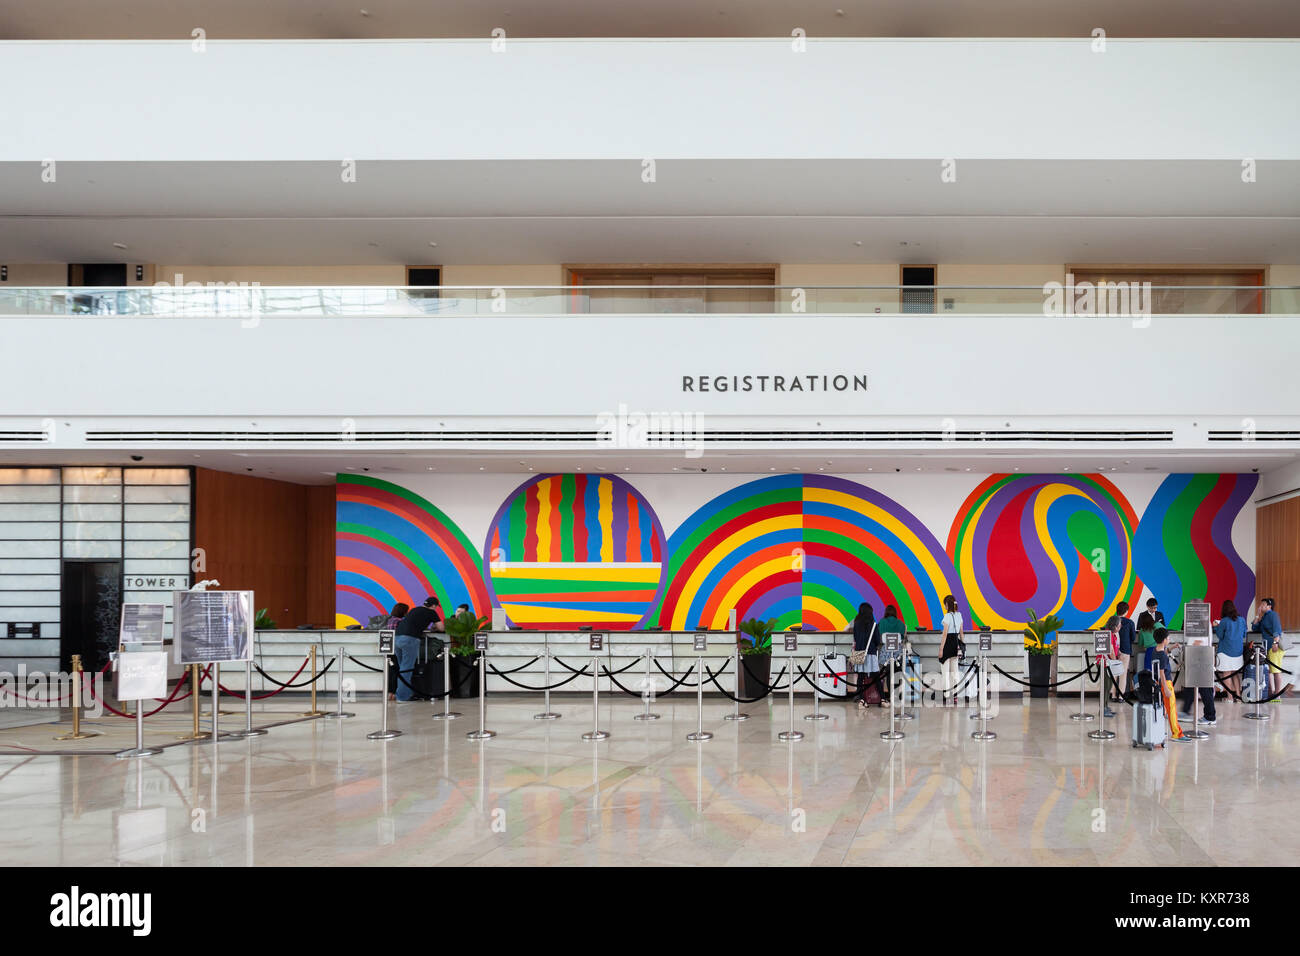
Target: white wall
point(1002, 99)
point(285, 275)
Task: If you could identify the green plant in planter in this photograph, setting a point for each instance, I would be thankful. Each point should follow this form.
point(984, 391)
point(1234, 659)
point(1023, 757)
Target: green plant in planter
point(756, 636)
point(263, 621)
point(461, 628)
point(1040, 634)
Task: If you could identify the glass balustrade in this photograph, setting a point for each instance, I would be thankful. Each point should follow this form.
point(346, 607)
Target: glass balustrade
point(231, 300)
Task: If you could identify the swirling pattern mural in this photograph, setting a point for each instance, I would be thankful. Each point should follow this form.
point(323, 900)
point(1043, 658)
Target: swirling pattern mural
point(571, 550)
point(1057, 544)
point(392, 545)
point(1183, 547)
point(804, 549)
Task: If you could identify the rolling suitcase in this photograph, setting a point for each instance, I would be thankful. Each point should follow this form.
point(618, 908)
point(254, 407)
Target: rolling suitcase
point(1254, 686)
point(426, 677)
point(1149, 724)
point(832, 683)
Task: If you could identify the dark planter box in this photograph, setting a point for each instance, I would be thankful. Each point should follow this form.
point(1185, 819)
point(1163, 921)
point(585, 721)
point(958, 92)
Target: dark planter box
point(1040, 673)
point(755, 674)
point(464, 676)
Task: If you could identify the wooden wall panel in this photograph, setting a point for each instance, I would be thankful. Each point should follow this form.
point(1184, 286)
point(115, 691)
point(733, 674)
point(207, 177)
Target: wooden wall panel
point(320, 555)
point(1277, 558)
point(265, 535)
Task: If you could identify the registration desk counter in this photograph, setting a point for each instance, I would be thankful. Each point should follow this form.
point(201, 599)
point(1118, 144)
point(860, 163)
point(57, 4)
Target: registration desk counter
point(280, 653)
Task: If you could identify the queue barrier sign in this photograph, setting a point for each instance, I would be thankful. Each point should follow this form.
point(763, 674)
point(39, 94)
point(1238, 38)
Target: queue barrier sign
point(386, 639)
point(791, 643)
point(1196, 623)
point(480, 642)
point(141, 675)
point(213, 627)
point(986, 642)
point(891, 642)
point(701, 642)
point(595, 642)
point(1101, 643)
point(141, 624)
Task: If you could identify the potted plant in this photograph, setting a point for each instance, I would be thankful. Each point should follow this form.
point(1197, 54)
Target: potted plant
point(1040, 642)
point(755, 643)
point(263, 621)
point(461, 628)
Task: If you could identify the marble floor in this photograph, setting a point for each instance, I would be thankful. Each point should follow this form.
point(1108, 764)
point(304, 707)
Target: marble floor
point(318, 792)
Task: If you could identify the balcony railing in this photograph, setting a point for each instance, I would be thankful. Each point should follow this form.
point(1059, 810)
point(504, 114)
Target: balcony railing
point(234, 300)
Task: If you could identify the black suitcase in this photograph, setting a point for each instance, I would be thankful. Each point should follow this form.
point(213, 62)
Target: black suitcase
point(426, 678)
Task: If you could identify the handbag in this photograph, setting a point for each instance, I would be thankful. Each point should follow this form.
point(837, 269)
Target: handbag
point(858, 658)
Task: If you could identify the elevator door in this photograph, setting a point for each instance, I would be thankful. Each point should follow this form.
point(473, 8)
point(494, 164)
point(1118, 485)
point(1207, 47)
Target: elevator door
point(92, 607)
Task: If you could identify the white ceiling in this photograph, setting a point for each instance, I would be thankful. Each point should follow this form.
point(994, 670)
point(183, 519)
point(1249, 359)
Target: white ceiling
point(347, 19)
point(600, 211)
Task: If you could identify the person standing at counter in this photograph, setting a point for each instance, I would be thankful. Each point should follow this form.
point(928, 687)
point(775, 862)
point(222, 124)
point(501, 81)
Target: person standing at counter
point(410, 632)
point(950, 647)
point(1269, 627)
point(1127, 632)
point(866, 646)
point(1230, 636)
point(395, 616)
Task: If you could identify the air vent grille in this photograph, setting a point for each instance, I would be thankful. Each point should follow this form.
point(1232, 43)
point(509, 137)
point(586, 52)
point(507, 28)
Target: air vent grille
point(1249, 435)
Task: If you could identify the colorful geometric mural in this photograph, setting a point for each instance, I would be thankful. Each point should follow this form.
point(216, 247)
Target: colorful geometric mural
point(1058, 544)
point(1183, 546)
point(391, 545)
point(804, 549)
point(571, 550)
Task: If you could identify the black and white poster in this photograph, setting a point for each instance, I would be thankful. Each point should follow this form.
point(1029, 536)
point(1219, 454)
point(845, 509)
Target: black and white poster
point(1196, 623)
point(213, 626)
point(142, 624)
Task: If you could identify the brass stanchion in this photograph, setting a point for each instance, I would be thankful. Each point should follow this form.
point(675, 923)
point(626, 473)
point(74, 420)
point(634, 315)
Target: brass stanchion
point(77, 733)
point(314, 712)
point(195, 679)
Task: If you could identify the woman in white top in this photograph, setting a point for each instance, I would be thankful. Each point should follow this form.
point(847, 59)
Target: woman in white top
point(949, 647)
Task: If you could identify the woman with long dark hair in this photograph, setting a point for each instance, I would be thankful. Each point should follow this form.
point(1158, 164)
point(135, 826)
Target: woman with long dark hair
point(950, 648)
point(866, 649)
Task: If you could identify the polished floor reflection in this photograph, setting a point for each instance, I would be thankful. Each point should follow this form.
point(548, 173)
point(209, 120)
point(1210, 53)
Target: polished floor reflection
point(319, 792)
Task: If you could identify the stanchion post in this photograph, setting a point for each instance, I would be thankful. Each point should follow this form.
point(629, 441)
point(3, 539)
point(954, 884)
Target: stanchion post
point(817, 697)
point(648, 692)
point(1101, 733)
point(196, 679)
point(480, 645)
point(596, 643)
point(447, 712)
point(906, 651)
point(77, 684)
point(383, 733)
point(791, 647)
point(547, 713)
point(1255, 714)
point(893, 733)
point(735, 711)
point(340, 714)
point(314, 712)
point(701, 643)
point(216, 701)
point(1082, 714)
point(248, 730)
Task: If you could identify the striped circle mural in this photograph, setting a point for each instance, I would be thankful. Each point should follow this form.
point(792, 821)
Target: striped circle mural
point(804, 549)
point(570, 550)
point(392, 545)
point(1058, 544)
point(1183, 546)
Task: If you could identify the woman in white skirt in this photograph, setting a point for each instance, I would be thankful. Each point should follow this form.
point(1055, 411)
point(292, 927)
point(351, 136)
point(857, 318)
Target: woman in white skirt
point(950, 647)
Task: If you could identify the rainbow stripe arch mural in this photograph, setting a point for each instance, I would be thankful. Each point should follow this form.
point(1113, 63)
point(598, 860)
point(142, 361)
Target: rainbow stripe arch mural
point(804, 549)
point(1058, 544)
point(1183, 546)
point(393, 546)
point(570, 550)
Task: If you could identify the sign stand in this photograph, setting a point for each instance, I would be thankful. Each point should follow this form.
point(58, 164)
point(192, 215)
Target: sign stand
point(893, 733)
point(547, 713)
point(701, 645)
point(1196, 633)
point(648, 693)
point(481, 645)
point(986, 648)
point(141, 671)
point(139, 750)
point(595, 642)
point(1082, 714)
point(340, 714)
point(1101, 733)
point(817, 696)
point(249, 730)
point(735, 712)
point(383, 733)
point(447, 712)
point(791, 646)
